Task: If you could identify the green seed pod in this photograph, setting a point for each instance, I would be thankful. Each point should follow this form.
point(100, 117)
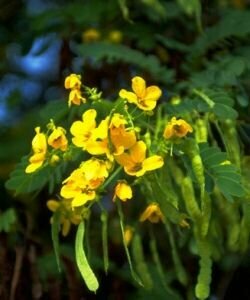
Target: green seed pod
point(206, 215)
point(198, 169)
point(201, 131)
point(189, 198)
point(202, 288)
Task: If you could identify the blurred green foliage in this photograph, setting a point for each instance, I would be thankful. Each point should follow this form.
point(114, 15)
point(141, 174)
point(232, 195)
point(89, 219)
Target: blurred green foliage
point(198, 50)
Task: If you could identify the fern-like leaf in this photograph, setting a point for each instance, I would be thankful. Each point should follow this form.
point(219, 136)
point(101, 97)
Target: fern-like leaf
point(225, 176)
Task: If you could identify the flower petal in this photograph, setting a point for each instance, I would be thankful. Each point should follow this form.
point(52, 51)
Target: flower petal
point(138, 152)
point(139, 86)
point(152, 163)
point(131, 97)
point(83, 198)
point(123, 191)
point(153, 93)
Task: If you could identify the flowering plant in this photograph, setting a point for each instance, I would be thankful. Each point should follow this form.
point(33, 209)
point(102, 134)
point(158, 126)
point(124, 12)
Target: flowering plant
point(159, 161)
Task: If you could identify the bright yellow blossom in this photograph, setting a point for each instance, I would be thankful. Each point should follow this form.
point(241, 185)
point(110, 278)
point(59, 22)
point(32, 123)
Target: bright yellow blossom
point(78, 188)
point(177, 128)
point(135, 162)
point(39, 147)
point(73, 81)
point(67, 215)
point(121, 138)
point(152, 213)
point(89, 137)
point(36, 161)
point(95, 169)
point(57, 139)
point(144, 97)
point(123, 191)
point(75, 97)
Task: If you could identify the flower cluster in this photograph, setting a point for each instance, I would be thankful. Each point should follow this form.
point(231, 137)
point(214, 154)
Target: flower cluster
point(56, 139)
point(108, 145)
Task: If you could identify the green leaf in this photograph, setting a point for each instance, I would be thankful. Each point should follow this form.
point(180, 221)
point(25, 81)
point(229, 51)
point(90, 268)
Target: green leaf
point(235, 23)
point(7, 219)
point(224, 112)
point(82, 262)
point(225, 176)
point(220, 103)
point(22, 182)
point(55, 227)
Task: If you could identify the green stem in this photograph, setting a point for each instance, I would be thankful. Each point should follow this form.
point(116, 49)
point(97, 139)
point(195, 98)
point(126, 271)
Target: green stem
point(107, 182)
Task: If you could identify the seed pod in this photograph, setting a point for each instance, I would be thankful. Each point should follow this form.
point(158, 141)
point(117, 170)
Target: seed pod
point(198, 169)
point(201, 131)
point(202, 288)
point(206, 215)
point(189, 198)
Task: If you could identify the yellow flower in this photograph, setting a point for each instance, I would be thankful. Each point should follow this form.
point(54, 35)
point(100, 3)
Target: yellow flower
point(77, 188)
point(75, 97)
point(39, 147)
point(80, 186)
point(90, 35)
point(121, 138)
point(73, 81)
point(177, 128)
point(135, 162)
point(123, 191)
point(36, 161)
point(39, 143)
point(95, 169)
point(144, 97)
point(89, 137)
point(152, 213)
point(67, 215)
point(57, 139)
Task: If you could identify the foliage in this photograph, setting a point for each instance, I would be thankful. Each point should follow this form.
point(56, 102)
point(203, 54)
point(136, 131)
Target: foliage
point(155, 179)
